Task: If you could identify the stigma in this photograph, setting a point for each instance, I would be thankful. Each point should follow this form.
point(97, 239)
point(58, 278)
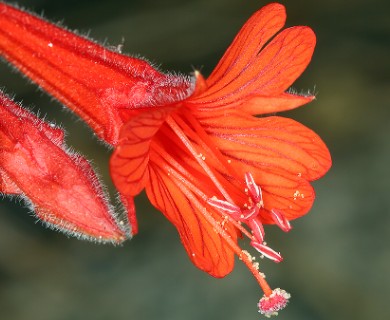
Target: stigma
point(276, 301)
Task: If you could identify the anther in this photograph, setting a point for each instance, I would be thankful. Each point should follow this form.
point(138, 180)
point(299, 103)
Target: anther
point(257, 229)
point(267, 251)
point(226, 207)
point(253, 189)
point(250, 213)
point(280, 219)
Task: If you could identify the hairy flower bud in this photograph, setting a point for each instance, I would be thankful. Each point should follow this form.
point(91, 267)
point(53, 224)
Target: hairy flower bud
point(60, 186)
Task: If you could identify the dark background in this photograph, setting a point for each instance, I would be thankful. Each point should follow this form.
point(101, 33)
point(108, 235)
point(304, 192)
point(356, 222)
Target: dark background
point(337, 258)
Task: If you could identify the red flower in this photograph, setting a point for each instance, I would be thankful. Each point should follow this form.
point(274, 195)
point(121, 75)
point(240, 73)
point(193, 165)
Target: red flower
point(209, 165)
point(60, 186)
point(206, 162)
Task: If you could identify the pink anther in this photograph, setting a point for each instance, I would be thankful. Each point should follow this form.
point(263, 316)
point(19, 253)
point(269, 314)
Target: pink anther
point(249, 214)
point(267, 251)
point(281, 220)
point(230, 209)
point(257, 229)
point(253, 189)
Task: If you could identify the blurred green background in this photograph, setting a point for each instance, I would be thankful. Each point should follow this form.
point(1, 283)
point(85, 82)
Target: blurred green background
point(337, 260)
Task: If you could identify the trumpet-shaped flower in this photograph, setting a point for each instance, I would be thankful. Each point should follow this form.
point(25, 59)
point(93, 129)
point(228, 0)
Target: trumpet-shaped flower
point(214, 169)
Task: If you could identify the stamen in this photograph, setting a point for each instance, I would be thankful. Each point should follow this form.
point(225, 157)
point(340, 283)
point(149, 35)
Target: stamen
point(233, 245)
point(250, 214)
point(196, 133)
point(280, 219)
point(179, 171)
point(267, 251)
point(250, 217)
point(257, 229)
point(272, 300)
point(171, 122)
point(227, 207)
point(206, 143)
point(270, 305)
point(253, 189)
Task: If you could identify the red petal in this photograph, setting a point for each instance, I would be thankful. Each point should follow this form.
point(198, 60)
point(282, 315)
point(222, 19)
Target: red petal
point(62, 188)
point(206, 248)
point(249, 41)
point(282, 61)
point(128, 163)
point(267, 71)
point(275, 103)
point(283, 155)
point(100, 85)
